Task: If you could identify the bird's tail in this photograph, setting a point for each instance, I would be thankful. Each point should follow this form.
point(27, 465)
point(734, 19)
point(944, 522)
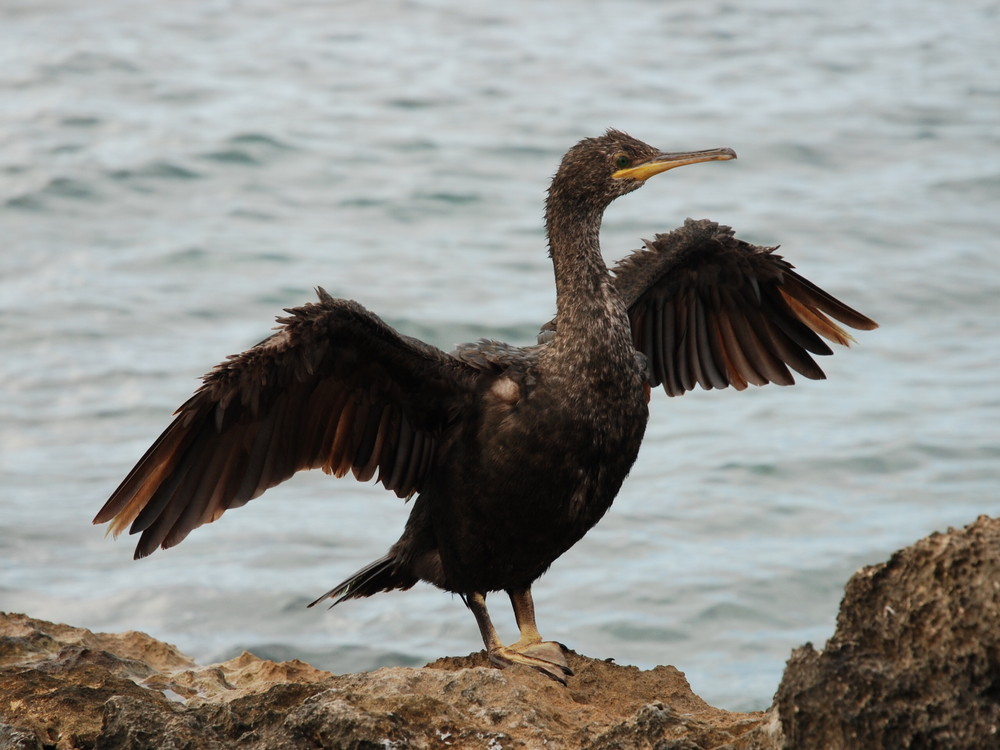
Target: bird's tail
point(381, 575)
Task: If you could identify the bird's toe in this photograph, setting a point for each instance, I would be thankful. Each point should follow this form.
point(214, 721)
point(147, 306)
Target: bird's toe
point(546, 657)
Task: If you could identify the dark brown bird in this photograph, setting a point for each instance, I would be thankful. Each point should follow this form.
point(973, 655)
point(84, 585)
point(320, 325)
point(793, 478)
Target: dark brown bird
point(513, 453)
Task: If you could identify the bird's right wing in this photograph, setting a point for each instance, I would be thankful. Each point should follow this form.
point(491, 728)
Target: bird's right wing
point(334, 388)
point(712, 310)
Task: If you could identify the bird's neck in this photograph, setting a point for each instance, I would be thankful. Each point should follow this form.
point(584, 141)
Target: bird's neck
point(580, 272)
point(591, 322)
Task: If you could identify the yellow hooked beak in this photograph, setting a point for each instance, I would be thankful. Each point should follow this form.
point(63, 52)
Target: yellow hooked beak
point(663, 162)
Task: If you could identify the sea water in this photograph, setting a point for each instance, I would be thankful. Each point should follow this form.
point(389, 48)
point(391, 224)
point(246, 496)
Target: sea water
point(173, 175)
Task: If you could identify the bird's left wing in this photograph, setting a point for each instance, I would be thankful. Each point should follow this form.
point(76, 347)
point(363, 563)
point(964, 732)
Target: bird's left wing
point(334, 387)
point(711, 310)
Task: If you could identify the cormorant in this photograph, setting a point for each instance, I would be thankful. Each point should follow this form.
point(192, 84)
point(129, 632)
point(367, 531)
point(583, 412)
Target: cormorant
point(513, 453)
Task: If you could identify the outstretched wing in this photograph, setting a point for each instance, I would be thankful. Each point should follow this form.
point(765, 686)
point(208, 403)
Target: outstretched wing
point(334, 387)
point(709, 309)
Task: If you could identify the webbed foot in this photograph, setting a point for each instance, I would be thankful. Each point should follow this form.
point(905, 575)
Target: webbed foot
point(546, 657)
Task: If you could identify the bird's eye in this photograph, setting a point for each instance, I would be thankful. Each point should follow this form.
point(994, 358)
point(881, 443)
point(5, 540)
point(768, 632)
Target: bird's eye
point(622, 161)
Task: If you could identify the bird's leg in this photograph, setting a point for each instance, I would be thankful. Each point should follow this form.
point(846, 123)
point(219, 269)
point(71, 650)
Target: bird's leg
point(491, 639)
point(524, 615)
point(530, 643)
point(504, 656)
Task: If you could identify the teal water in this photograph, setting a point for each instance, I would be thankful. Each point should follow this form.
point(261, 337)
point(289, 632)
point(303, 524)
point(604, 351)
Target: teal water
point(172, 176)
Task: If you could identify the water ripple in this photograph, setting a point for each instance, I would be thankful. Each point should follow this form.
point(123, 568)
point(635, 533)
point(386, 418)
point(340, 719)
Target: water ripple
point(172, 175)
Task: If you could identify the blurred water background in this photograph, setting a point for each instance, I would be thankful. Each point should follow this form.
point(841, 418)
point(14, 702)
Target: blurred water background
point(172, 175)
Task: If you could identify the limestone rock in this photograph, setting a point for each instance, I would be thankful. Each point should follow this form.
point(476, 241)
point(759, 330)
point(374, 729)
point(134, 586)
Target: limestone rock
point(66, 687)
point(915, 660)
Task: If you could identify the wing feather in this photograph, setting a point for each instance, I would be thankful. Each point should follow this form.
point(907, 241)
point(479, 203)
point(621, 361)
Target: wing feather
point(390, 440)
point(366, 458)
point(333, 388)
point(757, 344)
point(731, 371)
point(791, 323)
point(404, 446)
point(811, 295)
point(708, 309)
point(708, 344)
point(735, 349)
point(341, 453)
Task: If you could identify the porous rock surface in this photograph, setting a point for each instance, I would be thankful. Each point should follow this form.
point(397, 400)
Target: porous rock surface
point(914, 663)
point(915, 659)
point(65, 687)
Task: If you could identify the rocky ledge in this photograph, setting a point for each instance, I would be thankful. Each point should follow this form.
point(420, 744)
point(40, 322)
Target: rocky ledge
point(915, 662)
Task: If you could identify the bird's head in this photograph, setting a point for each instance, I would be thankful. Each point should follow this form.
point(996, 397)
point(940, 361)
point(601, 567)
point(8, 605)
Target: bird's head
point(597, 170)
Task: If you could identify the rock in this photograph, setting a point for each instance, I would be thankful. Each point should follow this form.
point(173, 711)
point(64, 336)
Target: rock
point(915, 662)
point(66, 687)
